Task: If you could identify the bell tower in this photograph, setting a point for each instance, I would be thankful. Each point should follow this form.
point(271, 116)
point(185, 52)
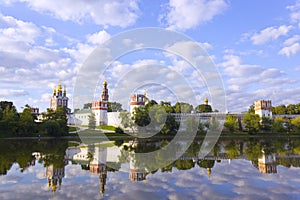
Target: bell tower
point(99, 108)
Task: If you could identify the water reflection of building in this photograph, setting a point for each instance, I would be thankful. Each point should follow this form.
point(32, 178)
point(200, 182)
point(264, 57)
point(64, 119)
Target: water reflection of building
point(98, 165)
point(54, 176)
point(267, 164)
point(137, 175)
point(96, 157)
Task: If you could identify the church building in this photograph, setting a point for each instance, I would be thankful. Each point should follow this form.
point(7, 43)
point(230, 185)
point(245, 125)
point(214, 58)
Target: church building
point(59, 98)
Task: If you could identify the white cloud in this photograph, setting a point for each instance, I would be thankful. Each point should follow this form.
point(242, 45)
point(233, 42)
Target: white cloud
point(269, 34)
point(101, 12)
point(98, 38)
point(295, 11)
point(290, 50)
point(291, 40)
point(186, 14)
point(17, 30)
point(12, 93)
point(291, 46)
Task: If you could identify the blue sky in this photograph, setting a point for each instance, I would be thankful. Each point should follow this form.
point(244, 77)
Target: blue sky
point(255, 45)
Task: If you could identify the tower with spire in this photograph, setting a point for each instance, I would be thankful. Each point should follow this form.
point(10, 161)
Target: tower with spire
point(99, 108)
point(59, 98)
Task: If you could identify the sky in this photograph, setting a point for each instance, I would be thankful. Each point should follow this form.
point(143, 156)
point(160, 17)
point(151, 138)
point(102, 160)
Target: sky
point(255, 46)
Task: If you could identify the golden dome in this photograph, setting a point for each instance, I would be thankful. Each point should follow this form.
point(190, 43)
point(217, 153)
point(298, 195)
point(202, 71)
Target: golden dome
point(59, 88)
point(206, 101)
point(104, 83)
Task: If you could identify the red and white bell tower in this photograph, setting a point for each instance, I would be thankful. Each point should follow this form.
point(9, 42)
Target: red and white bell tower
point(99, 108)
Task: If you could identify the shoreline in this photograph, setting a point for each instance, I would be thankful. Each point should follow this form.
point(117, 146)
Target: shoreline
point(154, 137)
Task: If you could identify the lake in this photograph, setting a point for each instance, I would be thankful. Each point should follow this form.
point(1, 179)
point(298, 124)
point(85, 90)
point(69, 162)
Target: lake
point(236, 168)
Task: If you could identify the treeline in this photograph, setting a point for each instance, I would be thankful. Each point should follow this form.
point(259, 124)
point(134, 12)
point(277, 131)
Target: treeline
point(12, 123)
point(157, 117)
point(252, 123)
point(282, 109)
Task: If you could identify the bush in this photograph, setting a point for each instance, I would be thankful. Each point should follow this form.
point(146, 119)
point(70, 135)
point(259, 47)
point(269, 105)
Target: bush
point(119, 130)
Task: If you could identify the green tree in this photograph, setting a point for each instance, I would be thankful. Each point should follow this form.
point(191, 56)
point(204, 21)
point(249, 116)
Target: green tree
point(92, 121)
point(168, 107)
point(52, 128)
point(26, 123)
point(126, 120)
point(87, 106)
point(291, 109)
point(280, 110)
point(59, 116)
point(231, 122)
point(278, 125)
point(251, 109)
point(266, 123)
point(252, 122)
point(141, 117)
point(203, 108)
point(10, 114)
point(114, 107)
point(181, 107)
point(295, 122)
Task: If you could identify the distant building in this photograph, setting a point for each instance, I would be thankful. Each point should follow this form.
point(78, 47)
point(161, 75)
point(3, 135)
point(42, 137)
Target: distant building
point(137, 100)
point(263, 108)
point(99, 108)
point(59, 98)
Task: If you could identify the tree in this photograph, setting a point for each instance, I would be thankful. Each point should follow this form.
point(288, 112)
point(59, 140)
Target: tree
point(10, 114)
point(231, 122)
point(280, 110)
point(92, 121)
point(126, 120)
point(266, 123)
point(141, 117)
point(278, 125)
point(252, 122)
point(87, 106)
point(167, 106)
point(203, 108)
point(181, 107)
point(291, 109)
point(26, 123)
point(114, 107)
point(251, 109)
point(52, 127)
point(296, 124)
point(60, 117)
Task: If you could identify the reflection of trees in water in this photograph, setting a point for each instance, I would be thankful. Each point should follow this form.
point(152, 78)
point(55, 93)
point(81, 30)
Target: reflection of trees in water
point(20, 151)
point(53, 153)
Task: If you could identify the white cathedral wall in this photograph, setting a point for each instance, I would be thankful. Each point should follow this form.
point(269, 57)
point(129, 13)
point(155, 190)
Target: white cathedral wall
point(113, 119)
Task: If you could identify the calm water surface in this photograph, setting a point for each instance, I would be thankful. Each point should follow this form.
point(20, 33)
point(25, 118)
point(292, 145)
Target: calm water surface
point(235, 169)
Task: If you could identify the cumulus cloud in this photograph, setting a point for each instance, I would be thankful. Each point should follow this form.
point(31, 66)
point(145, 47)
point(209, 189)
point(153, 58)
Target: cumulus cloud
point(246, 82)
point(269, 34)
point(291, 46)
point(188, 14)
point(12, 93)
point(295, 11)
point(98, 11)
point(290, 50)
point(98, 38)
